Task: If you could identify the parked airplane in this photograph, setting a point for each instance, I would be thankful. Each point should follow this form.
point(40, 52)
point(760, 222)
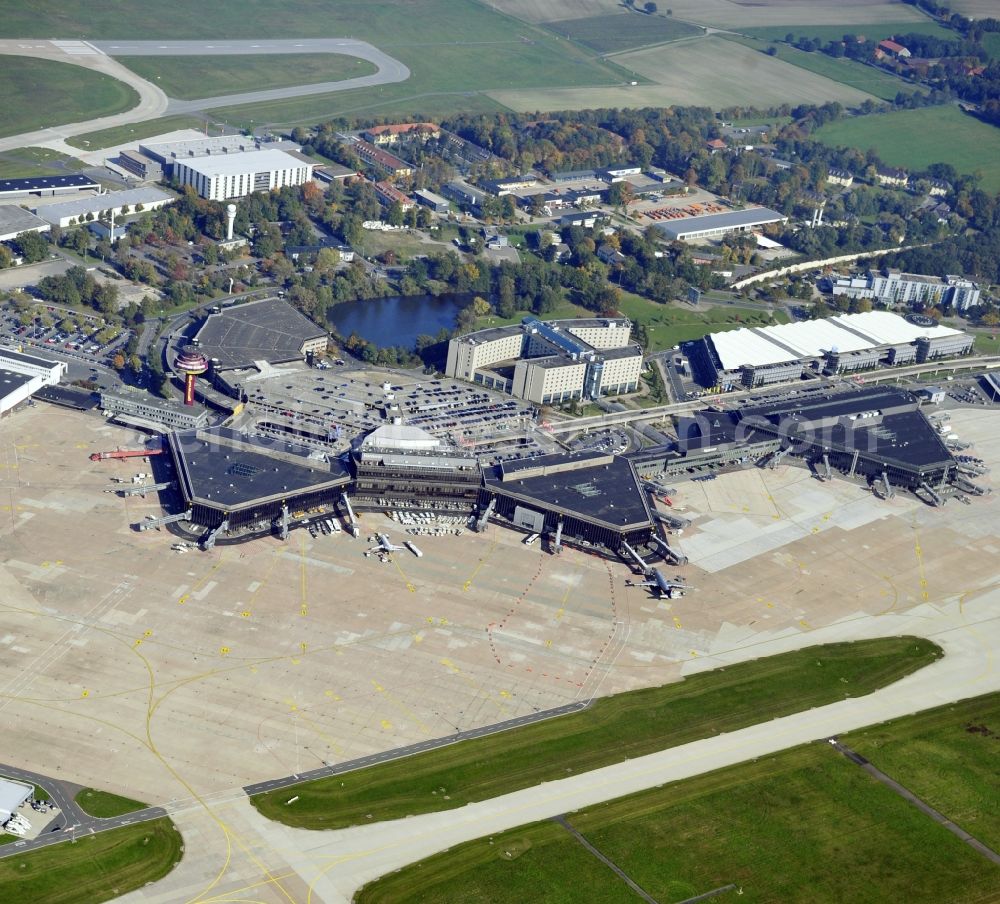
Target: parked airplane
point(384, 544)
point(662, 586)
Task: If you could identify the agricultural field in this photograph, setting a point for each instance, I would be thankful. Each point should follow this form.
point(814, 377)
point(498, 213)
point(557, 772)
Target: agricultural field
point(191, 78)
point(729, 14)
point(857, 75)
point(804, 825)
point(95, 868)
point(991, 42)
point(624, 726)
point(913, 139)
point(40, 93)
point(624, 31)
point(871, 31)
point(976, 9)
point(709, 72)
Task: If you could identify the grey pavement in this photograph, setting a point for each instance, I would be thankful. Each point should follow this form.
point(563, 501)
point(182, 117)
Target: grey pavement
point(399, 753)
point(72, 822)
point(332, 865)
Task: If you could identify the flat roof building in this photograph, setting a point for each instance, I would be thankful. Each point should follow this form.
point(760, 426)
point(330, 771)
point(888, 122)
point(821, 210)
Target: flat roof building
point(224, 176)
point(549, 362)
point(717, 224)
point(21, 376)
point(137, 163)
point(756, 356)
point(590, 500)
point(150, 413)
point(47, 185)
point(270, 330)
point(72, 213)
point(14, 220)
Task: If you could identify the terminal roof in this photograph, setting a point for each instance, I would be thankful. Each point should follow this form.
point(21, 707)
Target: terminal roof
point(588, 485)
point(225, 467)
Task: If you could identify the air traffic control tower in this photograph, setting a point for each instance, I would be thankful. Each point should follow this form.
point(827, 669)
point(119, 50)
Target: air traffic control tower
point(191, 363)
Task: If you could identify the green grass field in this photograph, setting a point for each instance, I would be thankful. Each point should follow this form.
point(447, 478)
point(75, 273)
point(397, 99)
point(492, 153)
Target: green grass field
point(106, 138)
point(444, 79)
point(872, 32)
point(914, 139)
point(805, 825)
point(669, 325)
point(987, 344)
point(991, 43)
point(946, 757)
point(41, 93)
point(190, 78)
point(95, 868)
point(874, 81)
point(25, 162)
point(623, 31)
point(624, 726)
point(104, 805)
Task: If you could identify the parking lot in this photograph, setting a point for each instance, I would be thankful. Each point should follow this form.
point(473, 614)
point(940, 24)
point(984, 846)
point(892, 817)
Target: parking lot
point(79, 346)
point(328, 407)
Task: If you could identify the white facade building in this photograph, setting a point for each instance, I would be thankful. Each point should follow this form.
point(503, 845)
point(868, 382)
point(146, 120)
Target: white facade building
point(550, 362)
point(225, 176)
point(21, 376)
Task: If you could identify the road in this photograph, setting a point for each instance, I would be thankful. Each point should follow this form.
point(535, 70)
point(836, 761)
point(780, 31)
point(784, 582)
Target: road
point(72, 821)
point(154, 103)
point(726, 400)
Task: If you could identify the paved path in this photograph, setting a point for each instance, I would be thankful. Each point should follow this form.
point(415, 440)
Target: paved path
point(301, 866)
point(153, 103)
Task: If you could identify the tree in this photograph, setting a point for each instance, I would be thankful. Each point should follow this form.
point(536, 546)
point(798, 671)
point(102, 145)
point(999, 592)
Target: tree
point(31, 246)
point(396, 214)
point(118, 362)
point(650, 8)
point(480, 306)
point(6, 258)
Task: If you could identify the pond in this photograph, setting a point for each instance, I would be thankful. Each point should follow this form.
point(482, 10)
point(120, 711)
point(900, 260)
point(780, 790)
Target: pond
point(396, 320)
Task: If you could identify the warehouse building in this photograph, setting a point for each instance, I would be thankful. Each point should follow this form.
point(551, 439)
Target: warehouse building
point(549, 362)
point(21, 376)
point(137, 163)
point(121, 203)
point(221, 177)
point(760, 356)
point(167, 153)
point(15, 220)
point(715, 225)
point(12, 796)
point(46, 186)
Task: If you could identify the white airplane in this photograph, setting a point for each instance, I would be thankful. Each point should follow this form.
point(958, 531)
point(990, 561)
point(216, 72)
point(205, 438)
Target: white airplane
point(385, 544)
point(662, 586)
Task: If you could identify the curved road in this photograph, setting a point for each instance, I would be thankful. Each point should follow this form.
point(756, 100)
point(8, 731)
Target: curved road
point(153, 103)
